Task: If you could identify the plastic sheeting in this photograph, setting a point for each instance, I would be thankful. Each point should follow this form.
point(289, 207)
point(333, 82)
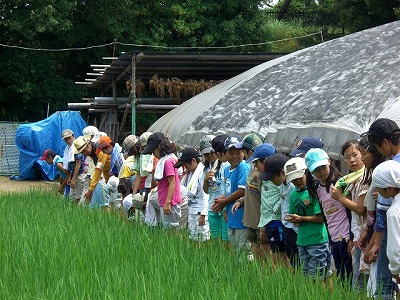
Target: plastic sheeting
point(333, 90)
point(34, 138)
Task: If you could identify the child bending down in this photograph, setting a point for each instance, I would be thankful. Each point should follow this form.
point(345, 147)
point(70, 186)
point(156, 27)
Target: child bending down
point(386, 179)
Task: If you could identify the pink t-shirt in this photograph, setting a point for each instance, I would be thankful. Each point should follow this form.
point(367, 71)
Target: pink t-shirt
point(163, 185)
point(336, 216)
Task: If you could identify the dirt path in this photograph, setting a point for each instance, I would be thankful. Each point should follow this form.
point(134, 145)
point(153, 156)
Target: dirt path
point(7, 185)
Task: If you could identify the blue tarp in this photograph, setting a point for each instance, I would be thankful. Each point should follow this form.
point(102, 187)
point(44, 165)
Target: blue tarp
point(34, 138)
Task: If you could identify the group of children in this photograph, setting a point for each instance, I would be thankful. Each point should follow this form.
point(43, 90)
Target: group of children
point(297, 210)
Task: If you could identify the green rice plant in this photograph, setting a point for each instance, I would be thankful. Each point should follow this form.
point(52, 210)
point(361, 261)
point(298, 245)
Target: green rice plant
point(52, 249)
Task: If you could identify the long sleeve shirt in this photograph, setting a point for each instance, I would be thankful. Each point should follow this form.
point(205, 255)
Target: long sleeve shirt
point(393, 235)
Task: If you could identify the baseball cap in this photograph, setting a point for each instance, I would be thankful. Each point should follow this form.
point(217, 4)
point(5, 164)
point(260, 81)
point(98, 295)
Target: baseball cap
point(261, 151)
point(104, 141)
point(206, 144)
point(48, 153)
point(67, 133)
point(152, 142)
point(251, 141)
point(128, 142)
point(272, 166)
point(316, 158)
point(233, 142)
point(218, 142)
point(187, 155)
point(306, 144)
point(295, 168)
point(80, 143)
point(144, 137)
point(382, 128)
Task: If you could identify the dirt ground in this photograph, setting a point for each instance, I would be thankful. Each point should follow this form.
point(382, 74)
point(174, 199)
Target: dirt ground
point(7, 185)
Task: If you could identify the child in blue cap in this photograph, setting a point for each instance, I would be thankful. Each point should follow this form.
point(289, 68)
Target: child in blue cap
point(251, 202)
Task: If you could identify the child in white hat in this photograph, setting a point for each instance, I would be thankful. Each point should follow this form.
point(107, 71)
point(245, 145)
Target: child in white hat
point(386, 179)
point(305, 212)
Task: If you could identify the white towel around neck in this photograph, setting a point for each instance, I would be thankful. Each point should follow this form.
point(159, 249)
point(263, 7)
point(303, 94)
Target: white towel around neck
point(194, 179)
point(159, 171)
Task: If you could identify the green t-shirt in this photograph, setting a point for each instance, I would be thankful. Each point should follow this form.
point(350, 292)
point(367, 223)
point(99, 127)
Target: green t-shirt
point(303, 205)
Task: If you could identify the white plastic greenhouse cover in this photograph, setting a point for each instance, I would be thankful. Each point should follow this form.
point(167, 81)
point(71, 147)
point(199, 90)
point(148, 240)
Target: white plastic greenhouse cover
point(334, 91)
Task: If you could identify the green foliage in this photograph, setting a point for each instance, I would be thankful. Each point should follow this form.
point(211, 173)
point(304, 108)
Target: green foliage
point(356, 15)
point(24, 21)
point(28, 82)
point(283, 31)
point(31, 79)
point(145, 121)
point(51, 249)
point(350, 15)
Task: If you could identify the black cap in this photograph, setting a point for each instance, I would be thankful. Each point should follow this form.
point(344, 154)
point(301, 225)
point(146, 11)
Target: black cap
point(218, 143)
point(272, 166)
point(152, 142)
point(382, 128)
point(187, 155)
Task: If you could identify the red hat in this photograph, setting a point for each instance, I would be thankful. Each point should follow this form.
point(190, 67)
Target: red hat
point(104, 141)
point(48, 153)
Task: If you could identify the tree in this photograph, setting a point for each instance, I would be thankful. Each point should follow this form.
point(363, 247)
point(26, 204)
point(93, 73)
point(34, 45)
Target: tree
point(30, 79)
point(356, 15)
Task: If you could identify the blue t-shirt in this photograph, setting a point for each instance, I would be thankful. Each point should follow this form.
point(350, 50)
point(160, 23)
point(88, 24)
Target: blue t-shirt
point(57, 159)
point(235, 179)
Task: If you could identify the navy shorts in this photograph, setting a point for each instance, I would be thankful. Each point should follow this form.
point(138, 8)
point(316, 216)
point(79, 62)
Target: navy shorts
point(274, 231)
point(290, 246)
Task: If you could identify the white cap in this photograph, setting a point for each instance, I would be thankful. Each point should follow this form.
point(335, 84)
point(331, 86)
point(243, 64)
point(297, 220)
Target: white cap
point(295, 168)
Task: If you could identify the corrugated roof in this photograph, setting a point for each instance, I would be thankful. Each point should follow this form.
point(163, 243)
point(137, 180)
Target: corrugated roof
point(207, 66)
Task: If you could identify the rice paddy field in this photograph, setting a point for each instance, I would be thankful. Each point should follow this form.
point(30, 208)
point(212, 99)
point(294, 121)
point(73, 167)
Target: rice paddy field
point(50, 249)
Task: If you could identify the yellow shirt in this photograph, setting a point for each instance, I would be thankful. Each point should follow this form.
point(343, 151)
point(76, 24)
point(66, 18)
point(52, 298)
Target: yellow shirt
point(127, 169)
point(102, 166)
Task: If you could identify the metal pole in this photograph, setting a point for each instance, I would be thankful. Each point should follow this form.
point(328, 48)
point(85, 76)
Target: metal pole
point(133, 93)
